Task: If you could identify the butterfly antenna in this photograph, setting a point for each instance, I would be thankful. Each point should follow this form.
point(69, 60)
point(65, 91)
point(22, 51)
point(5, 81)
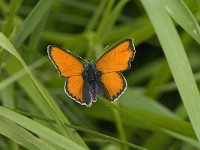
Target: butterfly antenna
point(82, 59)
point(102, 50)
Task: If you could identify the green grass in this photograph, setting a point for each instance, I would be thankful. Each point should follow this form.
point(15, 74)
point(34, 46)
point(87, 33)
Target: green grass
point(159, 110)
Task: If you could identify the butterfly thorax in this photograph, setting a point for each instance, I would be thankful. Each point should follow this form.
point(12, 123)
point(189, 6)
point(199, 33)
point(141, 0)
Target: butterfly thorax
point(90, 72)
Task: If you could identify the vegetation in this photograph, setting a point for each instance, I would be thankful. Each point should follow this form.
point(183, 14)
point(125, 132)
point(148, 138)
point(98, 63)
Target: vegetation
point(161, 106)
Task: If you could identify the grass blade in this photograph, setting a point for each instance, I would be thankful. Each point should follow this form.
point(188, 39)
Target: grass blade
point(55, 111)
point(21, 136)
point(182, 15)
point(177, 60)
point(39, 130)
point(32, 21)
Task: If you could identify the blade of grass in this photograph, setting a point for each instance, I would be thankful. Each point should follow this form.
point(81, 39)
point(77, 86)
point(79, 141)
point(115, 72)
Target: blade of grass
point(36, 35)
point(184, 138)
point(144, 102)
point(93, 21)
point(177, 60)
point(103, 23)
point(7, 95)
point(183, 16)
point(158, 80)
point(14, 5)
point(8, 100)
point(144, 72)
point(96, 41)
point(21, 136)
point(172, 86)
point(56, 112)
point(6, 82)
point(39, 130)
point(120, 127)
point(109, 21)
point(166, 140)
point(32, 21)
point(151, 119)
point(84, 5)
point(71, 19)
point(135, 117)
point(174, 133)
point(3, 7)
point(5, 43)
point(140, 28)
point(67, 39)
point(78, 128)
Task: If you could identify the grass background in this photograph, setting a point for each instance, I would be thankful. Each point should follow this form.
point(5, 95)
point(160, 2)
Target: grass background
point(159, 110)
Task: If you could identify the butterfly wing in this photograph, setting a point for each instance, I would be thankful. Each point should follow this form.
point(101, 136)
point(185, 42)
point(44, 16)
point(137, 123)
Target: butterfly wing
point(66, 64)
point(117, 58)
point(74, 88)
point(112, 85)
point(71, 68)
point(78, 90)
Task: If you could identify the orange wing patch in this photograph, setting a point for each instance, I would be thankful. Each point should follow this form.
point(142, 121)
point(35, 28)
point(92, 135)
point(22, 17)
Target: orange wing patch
point(67, 64)
point(114, 83)
point(74, 88)
point(117, 58)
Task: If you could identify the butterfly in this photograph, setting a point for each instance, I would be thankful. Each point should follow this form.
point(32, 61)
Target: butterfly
point(85, 82)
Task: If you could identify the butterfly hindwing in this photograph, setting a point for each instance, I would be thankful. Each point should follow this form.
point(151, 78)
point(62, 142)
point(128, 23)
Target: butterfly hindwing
point(112, 86)
point(67, 64)
point(80, 90)
point(117, 58)
point(74, 88)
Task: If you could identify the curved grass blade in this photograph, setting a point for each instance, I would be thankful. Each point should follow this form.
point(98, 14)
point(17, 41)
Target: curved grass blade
point(55, 111)
point(33, 19)
point(177, 59)
point(158, 123)
point(21, 73)
point(78, 128)
point(183, 16)
point(39, 130)
point(21, 136)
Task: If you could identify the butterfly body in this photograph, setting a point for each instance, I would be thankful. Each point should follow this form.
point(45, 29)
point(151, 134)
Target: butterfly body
point(85, 82)
point(91, 77)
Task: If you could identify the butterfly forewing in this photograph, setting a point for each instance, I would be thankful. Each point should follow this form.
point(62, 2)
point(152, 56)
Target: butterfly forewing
point(67, 64)
point(117, 58)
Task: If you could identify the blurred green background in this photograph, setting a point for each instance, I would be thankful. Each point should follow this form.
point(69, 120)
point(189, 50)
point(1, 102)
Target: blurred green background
point(161, 106)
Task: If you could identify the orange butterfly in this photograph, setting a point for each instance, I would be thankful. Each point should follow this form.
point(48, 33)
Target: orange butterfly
point(85, 82)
